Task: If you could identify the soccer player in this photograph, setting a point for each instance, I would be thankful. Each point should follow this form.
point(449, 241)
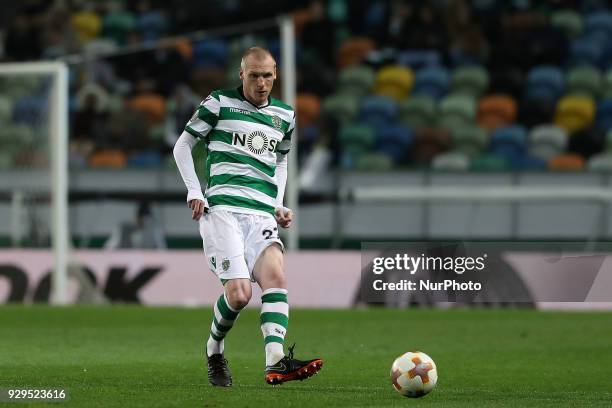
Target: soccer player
point(248, 135)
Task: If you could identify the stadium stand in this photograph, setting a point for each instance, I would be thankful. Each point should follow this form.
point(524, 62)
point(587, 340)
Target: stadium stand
point(408, 80)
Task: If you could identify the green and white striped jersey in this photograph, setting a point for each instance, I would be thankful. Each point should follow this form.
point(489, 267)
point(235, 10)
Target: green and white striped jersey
point(243, 142)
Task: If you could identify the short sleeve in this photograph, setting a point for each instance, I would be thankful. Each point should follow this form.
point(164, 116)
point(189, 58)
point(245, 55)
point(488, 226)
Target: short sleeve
point(285, 145)
point(205, 117)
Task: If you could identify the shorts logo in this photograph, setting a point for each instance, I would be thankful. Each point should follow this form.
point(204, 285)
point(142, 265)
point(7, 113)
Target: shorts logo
point(257, 142)
point(213, 262)
point(225, 264)
point(277, 122)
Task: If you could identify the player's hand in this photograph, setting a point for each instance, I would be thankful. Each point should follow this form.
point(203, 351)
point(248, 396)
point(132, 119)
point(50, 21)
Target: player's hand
point(197, 208)
point(283, 216)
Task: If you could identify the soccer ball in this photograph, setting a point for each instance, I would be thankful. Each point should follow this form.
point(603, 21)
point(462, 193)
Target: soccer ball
point(414, 374)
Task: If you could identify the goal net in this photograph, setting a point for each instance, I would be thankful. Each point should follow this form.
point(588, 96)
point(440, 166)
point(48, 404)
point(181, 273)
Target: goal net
point(33, 149)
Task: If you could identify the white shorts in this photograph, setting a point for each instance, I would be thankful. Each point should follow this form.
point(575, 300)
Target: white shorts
point(233, 242)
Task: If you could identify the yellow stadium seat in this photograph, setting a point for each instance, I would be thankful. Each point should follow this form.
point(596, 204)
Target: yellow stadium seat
point(394, 81)
point(575, 113)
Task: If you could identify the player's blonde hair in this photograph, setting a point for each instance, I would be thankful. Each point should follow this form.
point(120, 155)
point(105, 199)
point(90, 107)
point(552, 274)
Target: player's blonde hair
point(259, 53)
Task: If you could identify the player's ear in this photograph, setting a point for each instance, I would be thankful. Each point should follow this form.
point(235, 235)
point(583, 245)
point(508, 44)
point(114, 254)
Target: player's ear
point(241, 74)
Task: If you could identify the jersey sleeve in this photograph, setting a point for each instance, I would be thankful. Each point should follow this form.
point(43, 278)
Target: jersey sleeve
point(285, 145)
point(205, 117)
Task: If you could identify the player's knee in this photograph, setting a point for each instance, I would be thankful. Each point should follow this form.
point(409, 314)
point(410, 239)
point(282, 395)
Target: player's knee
point(239, 301)
point(238, 296)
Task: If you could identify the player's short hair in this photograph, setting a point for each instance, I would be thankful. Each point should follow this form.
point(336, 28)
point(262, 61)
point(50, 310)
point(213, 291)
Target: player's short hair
point(259, 53)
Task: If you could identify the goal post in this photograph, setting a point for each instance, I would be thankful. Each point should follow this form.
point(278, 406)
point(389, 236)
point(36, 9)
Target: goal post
point(57, 111)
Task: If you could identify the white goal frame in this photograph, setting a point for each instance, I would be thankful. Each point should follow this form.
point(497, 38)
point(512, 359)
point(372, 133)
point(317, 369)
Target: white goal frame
point(58, 147)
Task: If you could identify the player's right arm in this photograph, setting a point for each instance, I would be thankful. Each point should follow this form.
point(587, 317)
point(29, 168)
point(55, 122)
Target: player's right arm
point(201, 123)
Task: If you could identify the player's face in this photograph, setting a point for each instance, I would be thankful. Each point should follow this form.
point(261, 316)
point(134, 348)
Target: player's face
point(257, 79)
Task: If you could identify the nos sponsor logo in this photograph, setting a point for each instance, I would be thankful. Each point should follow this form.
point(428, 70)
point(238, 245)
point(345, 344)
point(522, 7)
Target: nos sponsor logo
point(257, 141)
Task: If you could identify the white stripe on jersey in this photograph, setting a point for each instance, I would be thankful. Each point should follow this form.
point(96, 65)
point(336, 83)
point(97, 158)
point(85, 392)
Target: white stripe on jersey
point(241, 191)
point(239, 169)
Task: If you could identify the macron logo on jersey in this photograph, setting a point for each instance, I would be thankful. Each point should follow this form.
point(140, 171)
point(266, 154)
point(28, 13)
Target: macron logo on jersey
point(237, 110)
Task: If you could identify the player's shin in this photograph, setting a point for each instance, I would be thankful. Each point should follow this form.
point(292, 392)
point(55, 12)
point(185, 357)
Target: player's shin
point(224, 317)
point(274, 320)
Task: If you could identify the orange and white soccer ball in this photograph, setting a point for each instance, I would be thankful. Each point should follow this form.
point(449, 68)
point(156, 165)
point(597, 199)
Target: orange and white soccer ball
point(414, 374)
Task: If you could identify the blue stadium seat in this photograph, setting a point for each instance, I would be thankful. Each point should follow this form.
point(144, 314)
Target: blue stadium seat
point(432, 81)
point(210, 53)
point(29, 109)
point(145, 159)
point(545, 82)
point(378, 110)
point(598, 22)
point(586, 51)
point(603, 118)
point(394, 140)
point(509, 142)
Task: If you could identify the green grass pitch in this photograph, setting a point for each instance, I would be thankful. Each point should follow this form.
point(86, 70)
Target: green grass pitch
point(129, 356)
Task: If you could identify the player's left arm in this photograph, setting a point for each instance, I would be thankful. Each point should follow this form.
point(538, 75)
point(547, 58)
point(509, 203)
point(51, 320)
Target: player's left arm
point(283, 215)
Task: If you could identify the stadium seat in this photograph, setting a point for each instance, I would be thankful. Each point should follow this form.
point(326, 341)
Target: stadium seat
point(210, 53)
point(451, 161)
point(16, 139)
point(356, 80)
point(431, 81)
point(585, 51)
point(545, 82)
point(569, 21)
point(584, 81)
point(29, 109)
point(528, 163)
point(489, 162)
point(471, 80)
point(600, 163)
point(355, 140)
point(145, 159)
point(374, 162)
point(547, 141)
point(378, 110)
point(430, 142)
point(417, 111)
point(153, 106)
point(598, 22)
point(308, 109)
point(575, 113)
point(86, 24)
point(496, 111)
point(118, 24)
point(341, 107)
point(394, 82)
point(470, 140)
point(6, 109)
point(607, 85)
point(509, 142)
point(394, 140)
point(354, 50)
point(603, 118)
point(151, 24)
point(455, 110)
point(566, 162)
point(115, 159)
